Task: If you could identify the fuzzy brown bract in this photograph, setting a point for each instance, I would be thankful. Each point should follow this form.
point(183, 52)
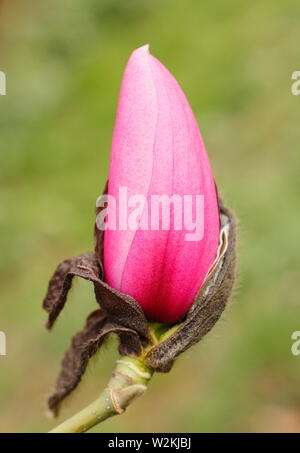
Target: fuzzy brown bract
point(121, 314)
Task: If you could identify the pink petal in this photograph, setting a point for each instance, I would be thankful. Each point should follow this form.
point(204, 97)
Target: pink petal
point(157, 149)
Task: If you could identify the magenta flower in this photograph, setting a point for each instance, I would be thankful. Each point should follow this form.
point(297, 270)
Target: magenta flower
point(164, 247)
point(157, 149)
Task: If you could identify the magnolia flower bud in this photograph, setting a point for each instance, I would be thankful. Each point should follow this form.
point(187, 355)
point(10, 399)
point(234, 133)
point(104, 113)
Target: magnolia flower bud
point(144, 268)
point(158, 153)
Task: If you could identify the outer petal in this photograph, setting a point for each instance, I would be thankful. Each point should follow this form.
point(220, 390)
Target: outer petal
point(157, 149)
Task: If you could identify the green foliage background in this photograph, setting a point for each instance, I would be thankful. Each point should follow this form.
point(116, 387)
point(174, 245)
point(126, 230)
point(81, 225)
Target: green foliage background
point(64, 61)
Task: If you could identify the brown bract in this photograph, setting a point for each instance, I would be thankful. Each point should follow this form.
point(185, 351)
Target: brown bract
point(121, 314)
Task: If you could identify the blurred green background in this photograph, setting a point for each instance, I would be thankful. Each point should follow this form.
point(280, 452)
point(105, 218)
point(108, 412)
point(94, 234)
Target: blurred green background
point(64, 60)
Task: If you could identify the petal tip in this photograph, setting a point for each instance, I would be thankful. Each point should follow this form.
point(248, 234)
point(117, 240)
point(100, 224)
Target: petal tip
point(142, 51)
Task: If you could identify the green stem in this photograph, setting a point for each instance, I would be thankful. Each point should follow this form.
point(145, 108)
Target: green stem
point(128, 381)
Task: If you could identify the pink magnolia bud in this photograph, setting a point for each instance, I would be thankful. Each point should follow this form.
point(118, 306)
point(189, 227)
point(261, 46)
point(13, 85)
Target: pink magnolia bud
point(157, 150)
